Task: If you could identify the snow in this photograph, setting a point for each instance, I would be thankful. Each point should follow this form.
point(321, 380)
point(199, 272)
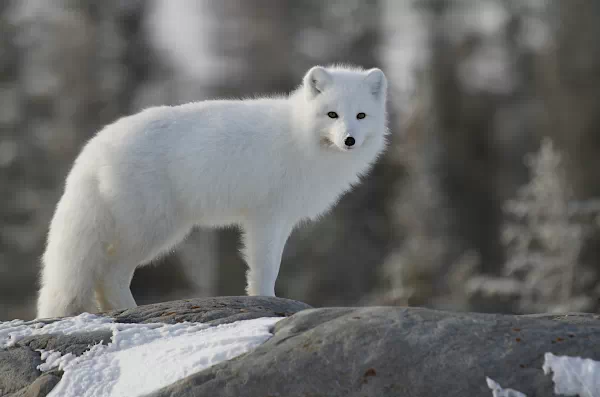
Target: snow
point(573, 375)
point(13, 331)
point(140, 358)
point(498, 391)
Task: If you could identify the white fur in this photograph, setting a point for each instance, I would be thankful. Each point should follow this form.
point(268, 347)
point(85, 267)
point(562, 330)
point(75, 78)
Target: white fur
point(142, 183)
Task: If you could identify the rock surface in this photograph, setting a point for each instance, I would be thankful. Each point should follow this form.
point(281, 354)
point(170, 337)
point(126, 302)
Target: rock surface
point(19, 376)
point(370, 351)
point(213, 311)
point(385, 351)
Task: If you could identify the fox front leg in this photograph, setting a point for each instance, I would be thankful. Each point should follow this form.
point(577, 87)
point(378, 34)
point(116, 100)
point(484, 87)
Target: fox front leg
point(264, 242)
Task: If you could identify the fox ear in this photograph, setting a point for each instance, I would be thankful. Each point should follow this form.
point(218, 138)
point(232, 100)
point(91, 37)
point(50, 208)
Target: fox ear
point(316, 81)
point(377, 82)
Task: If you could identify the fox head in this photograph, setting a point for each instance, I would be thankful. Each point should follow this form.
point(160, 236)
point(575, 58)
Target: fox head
point(346, 106)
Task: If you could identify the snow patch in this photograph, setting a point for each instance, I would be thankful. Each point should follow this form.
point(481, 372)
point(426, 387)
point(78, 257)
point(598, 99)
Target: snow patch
point(573, 375)
point(13, 331)
point(53, 358)
point(498, 391)
point(140, 358)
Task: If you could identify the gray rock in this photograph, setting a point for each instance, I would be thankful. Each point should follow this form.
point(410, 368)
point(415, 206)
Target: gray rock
point(385, 351)
point(19, 376)
point(40, 387)
point(76, 344)
point(18, 369)
point(213, 311)
point(371, 351)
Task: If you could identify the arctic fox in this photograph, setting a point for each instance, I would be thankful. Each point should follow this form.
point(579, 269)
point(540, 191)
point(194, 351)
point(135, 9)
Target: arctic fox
point(142, 183)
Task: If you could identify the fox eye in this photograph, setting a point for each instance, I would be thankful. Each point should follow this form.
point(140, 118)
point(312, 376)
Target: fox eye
point(332, 115)
point(361, 115)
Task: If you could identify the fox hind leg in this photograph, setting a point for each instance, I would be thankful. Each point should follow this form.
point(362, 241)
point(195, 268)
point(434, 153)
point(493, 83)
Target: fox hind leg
point(62, 297)
point(113, 291)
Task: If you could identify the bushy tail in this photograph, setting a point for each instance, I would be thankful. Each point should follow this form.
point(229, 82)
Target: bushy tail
point(73, 255)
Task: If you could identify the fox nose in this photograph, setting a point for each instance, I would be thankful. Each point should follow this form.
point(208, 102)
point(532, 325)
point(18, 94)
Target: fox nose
point(349, 141)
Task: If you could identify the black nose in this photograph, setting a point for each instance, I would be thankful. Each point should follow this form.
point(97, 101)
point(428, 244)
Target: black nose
point(350, 141)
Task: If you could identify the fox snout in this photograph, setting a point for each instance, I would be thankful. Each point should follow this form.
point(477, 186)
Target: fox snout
point(349, 140)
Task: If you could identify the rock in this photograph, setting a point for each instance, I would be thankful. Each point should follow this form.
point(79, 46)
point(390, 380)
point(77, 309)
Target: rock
point(387, 351)
point(18, 369)
point(76, 344)
point(213, 311)
point(370, 351)
point(19, 376)
point(41, 387)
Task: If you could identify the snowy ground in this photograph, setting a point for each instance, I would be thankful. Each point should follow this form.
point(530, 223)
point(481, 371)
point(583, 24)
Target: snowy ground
point(141, 358)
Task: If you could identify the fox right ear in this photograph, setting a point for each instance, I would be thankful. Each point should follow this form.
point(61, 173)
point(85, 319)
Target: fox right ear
point(316, 81)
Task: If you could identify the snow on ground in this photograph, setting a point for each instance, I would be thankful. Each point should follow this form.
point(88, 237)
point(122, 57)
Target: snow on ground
point(13, 331)
point(498, 391)
point(141, 358)
point(573, 376)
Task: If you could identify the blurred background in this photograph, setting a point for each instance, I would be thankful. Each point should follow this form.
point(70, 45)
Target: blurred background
point(485, 200)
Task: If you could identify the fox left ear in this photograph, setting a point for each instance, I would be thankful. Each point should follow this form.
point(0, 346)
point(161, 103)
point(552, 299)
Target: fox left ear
point(377, 82)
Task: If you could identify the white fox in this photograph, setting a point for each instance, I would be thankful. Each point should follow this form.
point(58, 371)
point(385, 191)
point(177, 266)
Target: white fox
point(142, 183)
